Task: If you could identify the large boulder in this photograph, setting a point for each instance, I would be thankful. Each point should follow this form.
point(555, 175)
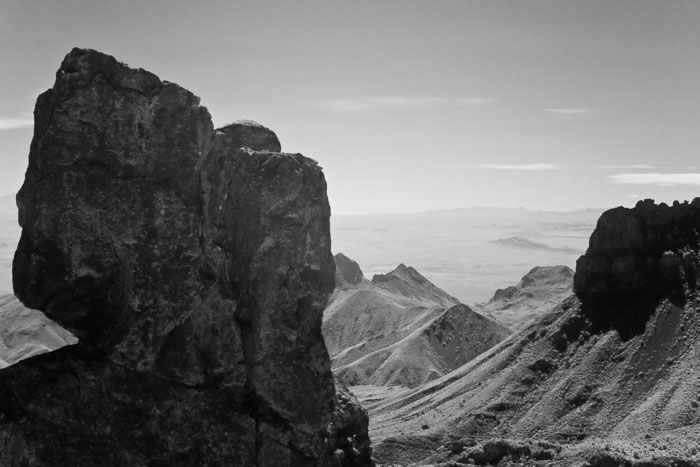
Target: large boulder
point(193, 265)
point(247, 133)
point(347, 271)
point(637, 257)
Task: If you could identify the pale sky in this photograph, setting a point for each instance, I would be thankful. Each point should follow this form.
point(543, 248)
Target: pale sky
point(408, 105)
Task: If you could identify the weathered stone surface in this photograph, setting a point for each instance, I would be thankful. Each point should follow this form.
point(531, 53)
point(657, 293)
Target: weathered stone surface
point(246, 133)
point(192, 267)
point(635, 258)
point(348, 432)
point(347, 271)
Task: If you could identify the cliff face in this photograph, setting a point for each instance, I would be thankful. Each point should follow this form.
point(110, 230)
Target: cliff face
point(635, 258)
point(193, 265)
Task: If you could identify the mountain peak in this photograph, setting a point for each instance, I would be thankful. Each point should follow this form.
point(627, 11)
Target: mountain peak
point(407, 281)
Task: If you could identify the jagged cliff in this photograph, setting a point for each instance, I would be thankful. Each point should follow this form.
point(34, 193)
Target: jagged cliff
point(635, 258)
point(193, 264)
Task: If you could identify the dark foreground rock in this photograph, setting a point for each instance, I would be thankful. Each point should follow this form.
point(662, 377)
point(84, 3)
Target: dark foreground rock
point(635, 258)
point(193, 265)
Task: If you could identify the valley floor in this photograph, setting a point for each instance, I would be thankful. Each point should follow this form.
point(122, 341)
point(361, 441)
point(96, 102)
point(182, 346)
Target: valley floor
point(405, 446)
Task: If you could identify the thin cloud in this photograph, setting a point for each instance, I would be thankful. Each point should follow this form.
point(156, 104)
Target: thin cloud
point(627, 167)
point(658, 179)
point(373, 103)
point(570, 112)
point(537, 166)
point(364, 104)
point(475, 101)
point(12, 123)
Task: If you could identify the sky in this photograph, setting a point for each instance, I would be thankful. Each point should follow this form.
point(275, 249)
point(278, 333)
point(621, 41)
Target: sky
point(407, 105)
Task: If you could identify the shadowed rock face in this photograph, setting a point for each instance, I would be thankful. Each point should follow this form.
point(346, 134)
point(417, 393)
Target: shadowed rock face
point(347, 271)
point(637, 257)
point(193, 265)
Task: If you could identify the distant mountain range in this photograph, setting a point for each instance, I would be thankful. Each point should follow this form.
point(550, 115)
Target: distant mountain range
point(469, 253)
point(520, 242)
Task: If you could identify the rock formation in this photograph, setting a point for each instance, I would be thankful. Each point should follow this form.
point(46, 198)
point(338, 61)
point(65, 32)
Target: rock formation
point(246, 133)
point(347, 271)
point(25, 332)
point(193, 264)
point(635, 258)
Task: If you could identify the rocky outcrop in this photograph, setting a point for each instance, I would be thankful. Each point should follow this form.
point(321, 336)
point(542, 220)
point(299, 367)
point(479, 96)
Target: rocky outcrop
point(635, 258)
point(193, 264)
point(25, 332)
point(349, 430)
point(246, 133)
point(347, 271)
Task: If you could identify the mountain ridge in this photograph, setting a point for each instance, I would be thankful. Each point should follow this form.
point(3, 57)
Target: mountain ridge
point(400, 329)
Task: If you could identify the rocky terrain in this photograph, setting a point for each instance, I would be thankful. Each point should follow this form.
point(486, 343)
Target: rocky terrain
point(399, 329)
point(193, 265)
point(25, 332)
point(597, 381)
point(539, 291)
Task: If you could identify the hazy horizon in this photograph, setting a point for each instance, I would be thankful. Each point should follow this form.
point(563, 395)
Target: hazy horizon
point(408, 105)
